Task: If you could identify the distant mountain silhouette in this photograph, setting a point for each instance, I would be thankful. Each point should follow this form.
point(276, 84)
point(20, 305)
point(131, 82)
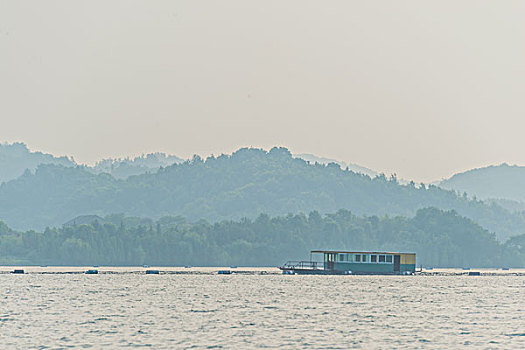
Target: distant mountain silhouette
point(503, 181)
point(122, 168)
point(16, 158)
point(245, 184)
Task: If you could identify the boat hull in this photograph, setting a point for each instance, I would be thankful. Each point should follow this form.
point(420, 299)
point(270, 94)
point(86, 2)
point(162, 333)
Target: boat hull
point(337, 272)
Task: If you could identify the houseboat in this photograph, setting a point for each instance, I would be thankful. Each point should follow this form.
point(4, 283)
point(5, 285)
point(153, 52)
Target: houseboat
point(354, 263)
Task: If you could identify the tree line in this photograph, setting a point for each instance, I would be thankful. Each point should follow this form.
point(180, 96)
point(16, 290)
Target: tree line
point(440, 239)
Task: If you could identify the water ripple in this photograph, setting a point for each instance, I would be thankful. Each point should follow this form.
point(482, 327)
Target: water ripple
point(260, 311)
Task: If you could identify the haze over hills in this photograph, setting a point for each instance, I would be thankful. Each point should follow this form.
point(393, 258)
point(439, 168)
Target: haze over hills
point(503, 183)
point(122, 168)
point(245, 184)
point(16, 158)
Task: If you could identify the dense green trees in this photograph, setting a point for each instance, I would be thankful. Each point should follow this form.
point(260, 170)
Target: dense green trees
point(249, 182)
point(440, 238)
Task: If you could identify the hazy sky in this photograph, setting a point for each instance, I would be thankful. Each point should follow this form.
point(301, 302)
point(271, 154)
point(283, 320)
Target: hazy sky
point(419, 88)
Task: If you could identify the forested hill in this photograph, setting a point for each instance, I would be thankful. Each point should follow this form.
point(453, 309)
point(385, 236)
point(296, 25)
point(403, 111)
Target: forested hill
point(500, 182)
point(440, 239)
point(245, 184)
point(15, 158)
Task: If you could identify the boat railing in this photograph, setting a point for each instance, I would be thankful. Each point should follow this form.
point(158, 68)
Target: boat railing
point(305, 265)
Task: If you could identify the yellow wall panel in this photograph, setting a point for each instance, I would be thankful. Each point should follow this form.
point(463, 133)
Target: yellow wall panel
point(408, 258)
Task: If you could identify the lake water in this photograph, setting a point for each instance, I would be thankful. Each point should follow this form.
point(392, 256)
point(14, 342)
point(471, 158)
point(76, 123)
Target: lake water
point(197, 308)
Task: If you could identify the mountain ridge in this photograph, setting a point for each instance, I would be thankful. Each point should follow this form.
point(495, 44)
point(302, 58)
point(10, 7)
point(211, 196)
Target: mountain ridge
point(244, 184)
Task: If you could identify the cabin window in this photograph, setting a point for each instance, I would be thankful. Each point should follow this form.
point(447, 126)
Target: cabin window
point(364, 258)
point(342, 257)
point(358, 257)
point(373, 258)
point(382, 258)
point(389, 259)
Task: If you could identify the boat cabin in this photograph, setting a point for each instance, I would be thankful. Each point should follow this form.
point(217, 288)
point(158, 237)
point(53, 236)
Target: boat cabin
point(351, 262)
point(368, 262)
